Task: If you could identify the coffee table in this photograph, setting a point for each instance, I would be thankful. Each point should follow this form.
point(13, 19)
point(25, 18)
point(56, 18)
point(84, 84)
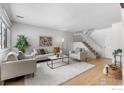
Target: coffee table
point(51, 63)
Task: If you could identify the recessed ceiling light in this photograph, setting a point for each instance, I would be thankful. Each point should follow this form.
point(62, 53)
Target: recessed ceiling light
point(19, 16)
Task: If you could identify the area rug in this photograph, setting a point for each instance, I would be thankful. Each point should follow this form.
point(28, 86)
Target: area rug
point(47, 76)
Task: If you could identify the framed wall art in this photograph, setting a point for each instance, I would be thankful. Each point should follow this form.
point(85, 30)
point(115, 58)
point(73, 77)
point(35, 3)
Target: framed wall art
point(45, 41)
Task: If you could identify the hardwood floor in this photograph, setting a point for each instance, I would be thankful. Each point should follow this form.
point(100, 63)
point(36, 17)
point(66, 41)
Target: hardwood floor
point(93, 76)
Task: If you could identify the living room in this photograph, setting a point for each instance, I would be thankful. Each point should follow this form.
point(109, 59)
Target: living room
point(60, 32)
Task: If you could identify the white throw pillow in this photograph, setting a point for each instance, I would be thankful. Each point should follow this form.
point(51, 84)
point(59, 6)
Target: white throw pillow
point(11, 56)
point(35, 52)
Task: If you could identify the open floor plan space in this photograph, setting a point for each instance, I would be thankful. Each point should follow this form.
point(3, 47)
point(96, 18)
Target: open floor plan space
point(61, 44)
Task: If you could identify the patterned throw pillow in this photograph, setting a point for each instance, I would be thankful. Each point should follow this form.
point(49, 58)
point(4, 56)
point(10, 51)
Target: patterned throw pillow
point(39, 52)
point(42, 51)
point(21, 55)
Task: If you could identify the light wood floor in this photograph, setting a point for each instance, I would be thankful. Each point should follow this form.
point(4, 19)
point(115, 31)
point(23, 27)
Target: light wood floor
point(93, 76)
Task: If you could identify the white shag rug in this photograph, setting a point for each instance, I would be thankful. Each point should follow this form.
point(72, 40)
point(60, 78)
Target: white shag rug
point(47, 76)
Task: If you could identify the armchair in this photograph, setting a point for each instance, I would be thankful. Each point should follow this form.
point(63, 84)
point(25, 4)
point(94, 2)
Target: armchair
point(15, 68)
point(78, 54)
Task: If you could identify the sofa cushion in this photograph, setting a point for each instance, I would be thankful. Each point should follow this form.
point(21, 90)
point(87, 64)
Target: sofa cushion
point(50, 54)
point(41, 57)
point(11, 56)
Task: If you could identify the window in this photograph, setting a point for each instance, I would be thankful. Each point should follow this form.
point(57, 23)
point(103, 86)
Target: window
point(0, 34)
point(3, 34)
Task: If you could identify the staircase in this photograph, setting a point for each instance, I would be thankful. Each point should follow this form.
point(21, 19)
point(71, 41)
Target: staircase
point(91, 44)
point(91, 49)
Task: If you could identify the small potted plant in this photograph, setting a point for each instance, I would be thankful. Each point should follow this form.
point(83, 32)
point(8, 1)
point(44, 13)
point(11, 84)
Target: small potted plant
point(117, 52)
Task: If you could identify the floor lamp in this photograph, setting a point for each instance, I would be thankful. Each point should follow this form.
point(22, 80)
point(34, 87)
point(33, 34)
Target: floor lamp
point(62, 41)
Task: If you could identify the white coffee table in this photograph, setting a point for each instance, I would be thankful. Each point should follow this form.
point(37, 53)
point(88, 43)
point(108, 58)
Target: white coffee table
point(52, 59)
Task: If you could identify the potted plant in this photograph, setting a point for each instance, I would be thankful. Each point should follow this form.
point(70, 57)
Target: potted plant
point(117, 52)
point(22, 43)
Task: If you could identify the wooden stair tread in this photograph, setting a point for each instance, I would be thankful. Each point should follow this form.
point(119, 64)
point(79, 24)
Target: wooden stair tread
point(91, 49)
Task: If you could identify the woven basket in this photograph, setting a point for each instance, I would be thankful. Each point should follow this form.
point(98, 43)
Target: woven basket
point(115, 72)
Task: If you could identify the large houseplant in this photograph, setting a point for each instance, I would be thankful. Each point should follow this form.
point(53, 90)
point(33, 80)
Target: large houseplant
point(22, 43)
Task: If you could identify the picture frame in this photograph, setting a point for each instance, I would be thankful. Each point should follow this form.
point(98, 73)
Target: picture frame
point(45, 41)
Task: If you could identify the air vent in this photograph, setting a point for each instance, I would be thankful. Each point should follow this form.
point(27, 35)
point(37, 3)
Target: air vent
point(19, 16)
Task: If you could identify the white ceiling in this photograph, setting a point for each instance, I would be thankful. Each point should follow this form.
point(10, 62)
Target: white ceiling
point(65, 17)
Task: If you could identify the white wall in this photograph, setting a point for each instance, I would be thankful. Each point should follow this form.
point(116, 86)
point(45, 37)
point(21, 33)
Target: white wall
point(116, 35)
point(108, 39)
point(33, 33)
point(78, 45)
point(111, 34)
point(99, 35)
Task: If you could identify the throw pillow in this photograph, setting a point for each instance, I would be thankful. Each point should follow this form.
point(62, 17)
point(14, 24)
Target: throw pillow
point(56, 50)
point(21, 55)
point(46, 51)
point(38, 52)
point(72, 51)
point(42, 51)
point(11, 56)
point(83, 50)
point(77, 50)
point(34, 52)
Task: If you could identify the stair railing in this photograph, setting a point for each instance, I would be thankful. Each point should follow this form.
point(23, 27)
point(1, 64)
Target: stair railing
point(97, 47)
